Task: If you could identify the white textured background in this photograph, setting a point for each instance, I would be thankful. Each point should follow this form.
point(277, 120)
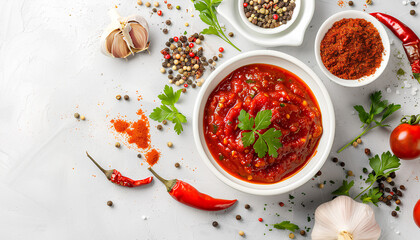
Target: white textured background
point(51, 67)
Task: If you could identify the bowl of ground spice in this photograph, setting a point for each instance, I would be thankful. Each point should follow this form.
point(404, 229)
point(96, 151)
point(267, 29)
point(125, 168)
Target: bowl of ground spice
point(352, 48)
point(269, 16)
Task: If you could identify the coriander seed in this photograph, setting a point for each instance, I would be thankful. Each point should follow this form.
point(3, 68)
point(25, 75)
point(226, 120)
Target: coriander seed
point(170, 144)
point(147, 4)
point(82, 117)
point(321, 185)
point(241, 233)
point(156, 4)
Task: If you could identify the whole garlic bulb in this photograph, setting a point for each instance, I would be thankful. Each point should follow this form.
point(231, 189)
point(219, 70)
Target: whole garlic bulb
point(125, 36)
point(345, 219)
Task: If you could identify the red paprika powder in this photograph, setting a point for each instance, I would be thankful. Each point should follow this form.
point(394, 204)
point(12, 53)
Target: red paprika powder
point(352, 48)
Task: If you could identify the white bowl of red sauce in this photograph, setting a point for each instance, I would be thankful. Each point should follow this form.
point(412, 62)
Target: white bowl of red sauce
point(300, 108)
point(365, 62)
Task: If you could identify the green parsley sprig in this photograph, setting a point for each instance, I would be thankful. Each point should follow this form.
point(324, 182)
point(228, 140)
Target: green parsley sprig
point(286, 225)
point(207, 9)
point(268, 141)
point(378, 108)
point(382, 167)
point(168, 111)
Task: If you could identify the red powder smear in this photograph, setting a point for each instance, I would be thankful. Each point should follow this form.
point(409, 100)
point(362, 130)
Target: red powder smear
point(120, 125)
point(137, 132)
point(152, 157)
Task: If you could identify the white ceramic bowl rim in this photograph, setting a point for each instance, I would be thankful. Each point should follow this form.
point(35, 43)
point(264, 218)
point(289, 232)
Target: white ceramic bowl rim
point(385, 41)
point(275, 30)
point(315, 163)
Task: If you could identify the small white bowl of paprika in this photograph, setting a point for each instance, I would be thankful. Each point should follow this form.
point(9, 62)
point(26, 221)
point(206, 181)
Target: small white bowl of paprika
point(352, 48)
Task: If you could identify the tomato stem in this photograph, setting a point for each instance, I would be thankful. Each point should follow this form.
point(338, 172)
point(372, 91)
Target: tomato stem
point(412, 120)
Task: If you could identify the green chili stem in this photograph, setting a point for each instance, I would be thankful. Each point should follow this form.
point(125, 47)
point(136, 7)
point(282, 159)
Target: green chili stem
point(97, 164)
point(168, 183)
point(367, 129)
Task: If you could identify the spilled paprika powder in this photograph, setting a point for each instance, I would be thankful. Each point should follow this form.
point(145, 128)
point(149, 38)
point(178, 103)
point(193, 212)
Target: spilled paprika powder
point(352, 48)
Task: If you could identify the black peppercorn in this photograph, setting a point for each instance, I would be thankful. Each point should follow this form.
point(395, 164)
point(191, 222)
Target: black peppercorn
point(367, 151)
point(412, 12)
point(159, 127)
point(387, 190)
point(247, 206)
point(342, 164)
point(351, 3)
point(319, 173)
point(392, 183)
point(165, 31)
point(177, 165)
point(402, 187)
point(335, 159)
point(168, 22)
point(109, 203)
point(139, 155)
point(392, 175)
point(413, 3)
point(126, 97)
point(399, 193)
point(302, 232)
point(215, 224)
point(238, 217)
point(394, 214)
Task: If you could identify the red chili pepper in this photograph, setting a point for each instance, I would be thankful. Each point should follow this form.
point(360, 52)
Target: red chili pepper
point(188, 195)
point(116, 177)
point(411, 41)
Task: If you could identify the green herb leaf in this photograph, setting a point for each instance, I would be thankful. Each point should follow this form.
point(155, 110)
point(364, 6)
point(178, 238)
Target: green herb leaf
point(168, 111)
point(246, 122)
point(263, 119)
point(386, 162)
point(378, 107)
point(208, 14)
point(372, 196)
point(344, 189)
point(266, 142)
point(286, 225)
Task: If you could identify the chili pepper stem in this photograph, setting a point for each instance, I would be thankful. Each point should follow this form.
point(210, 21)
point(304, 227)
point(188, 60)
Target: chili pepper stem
point(108, 173)
point(168, 183)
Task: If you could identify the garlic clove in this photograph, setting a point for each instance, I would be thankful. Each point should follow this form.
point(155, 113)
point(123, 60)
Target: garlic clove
point(110, 39)
point(139, 36)
point(119, 48)
point(345, 219)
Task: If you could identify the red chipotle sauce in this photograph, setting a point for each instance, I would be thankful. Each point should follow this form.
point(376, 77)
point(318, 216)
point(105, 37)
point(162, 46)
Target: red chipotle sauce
point(295, 113)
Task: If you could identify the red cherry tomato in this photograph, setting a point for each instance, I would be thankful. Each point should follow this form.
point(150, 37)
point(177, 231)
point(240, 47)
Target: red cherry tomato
point(416, 214)
point(405, 141)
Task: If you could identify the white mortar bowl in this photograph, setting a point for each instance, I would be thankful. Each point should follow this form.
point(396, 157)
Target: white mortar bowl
point(314, 83)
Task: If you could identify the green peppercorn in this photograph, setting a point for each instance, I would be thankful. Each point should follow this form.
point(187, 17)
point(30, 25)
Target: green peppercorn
point(178, 7)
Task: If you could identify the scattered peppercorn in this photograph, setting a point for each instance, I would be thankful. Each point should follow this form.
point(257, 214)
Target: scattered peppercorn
point(402, 187)
point(184, 90)
point(247, 206)
point(321, 185)
point(350, 173)
point(412, 12)
point(367, 151)
point(335, 159)
point(170, 144)
point(355, 144)
point(231, 34)
point(342, 164)
point(365, 170)
point(117, 145)
point(392, 183)
point(177, 165)
point(389, 179)
point(399, 193)
point(392, 175)
point(398, 201)
point(178, 7)
point(139, 155)
point(165, 31)
point(351, 3)
point(76, 115)
point(238, 217)
point(387, 190)
point(164, 122)
point(394, 213)
point(109, 203)
point(291, 236)
point(215, 224)
point(302, 232)
point(168, 22)
point(159, 127)
point(126, 97)
point(319, 173)
point(118, 97)
point(82, 117)
point(241, 233)
point(154, 10)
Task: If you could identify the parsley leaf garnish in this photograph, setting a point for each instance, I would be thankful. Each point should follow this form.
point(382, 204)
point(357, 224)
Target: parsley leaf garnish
point(286, 225)
point(207, 9)
point(382, 167)
point(344, 189)
point(378, 107)
point(168, 111)
point(266, 142)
